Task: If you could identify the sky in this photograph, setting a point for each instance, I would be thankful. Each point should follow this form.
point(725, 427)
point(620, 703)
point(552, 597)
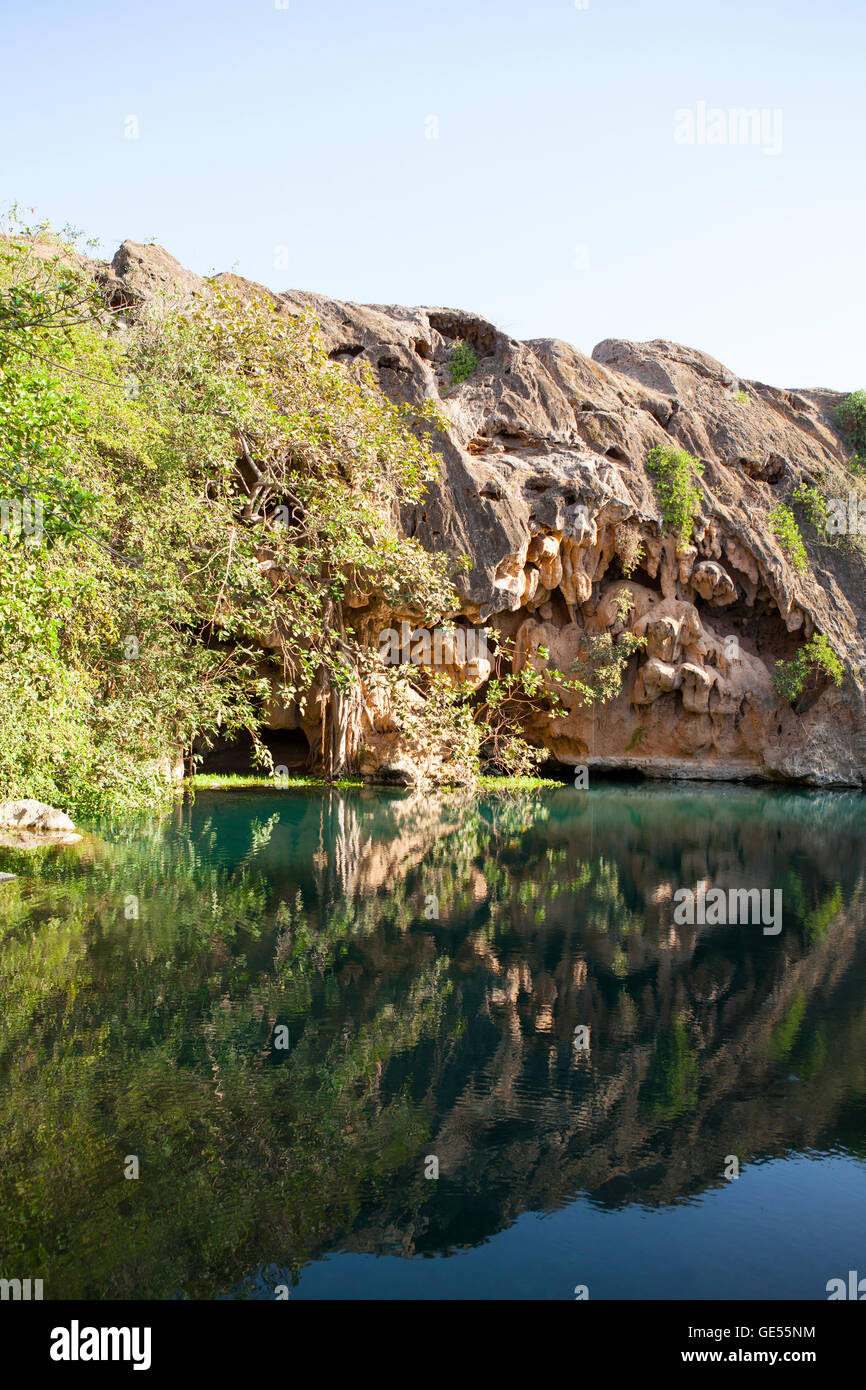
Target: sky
point(567, 168)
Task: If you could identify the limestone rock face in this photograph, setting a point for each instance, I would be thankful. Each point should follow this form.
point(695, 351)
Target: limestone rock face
point(146, 273)
point(545, 488)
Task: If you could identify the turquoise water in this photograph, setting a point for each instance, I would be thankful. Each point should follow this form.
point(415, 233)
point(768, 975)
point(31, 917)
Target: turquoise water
point(283, 1011)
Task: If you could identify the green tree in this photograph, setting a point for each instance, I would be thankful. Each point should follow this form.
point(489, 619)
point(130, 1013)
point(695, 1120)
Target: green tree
point(212, 489)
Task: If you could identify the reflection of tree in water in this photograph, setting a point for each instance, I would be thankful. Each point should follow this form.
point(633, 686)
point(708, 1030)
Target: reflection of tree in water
point(671, 1083)
point(408, 1034)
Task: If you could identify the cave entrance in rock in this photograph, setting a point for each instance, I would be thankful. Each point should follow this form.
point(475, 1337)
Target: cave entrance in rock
point(564, 772)
point(289, 748)
point(639, 575)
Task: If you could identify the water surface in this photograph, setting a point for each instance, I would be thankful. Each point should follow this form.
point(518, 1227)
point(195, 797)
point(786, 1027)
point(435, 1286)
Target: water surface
point(426, 960)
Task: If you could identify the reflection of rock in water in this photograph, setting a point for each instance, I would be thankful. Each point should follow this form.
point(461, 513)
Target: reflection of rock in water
point(407, 1034)
point(361, 842)
point(691, 1028)
point(365, 860)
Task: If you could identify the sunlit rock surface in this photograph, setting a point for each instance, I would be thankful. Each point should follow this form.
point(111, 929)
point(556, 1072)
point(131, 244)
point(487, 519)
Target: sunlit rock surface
point(545, 489)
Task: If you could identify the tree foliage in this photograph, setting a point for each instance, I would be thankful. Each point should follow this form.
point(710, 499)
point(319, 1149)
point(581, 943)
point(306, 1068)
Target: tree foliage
point(787, 533)
point(462, 362)
point(817, 657)
point(851, 417)
point(676, 473)
point(210, 486)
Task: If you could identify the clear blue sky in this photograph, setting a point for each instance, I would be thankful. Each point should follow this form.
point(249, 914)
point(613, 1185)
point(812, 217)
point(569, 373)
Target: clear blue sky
point(306, 128)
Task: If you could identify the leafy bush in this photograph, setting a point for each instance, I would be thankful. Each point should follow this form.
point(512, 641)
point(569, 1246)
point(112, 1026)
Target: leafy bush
point(814, 505)
point(787, 533)
point(851, 416)
point(675, 472)
point(507, 701)
point(212, 485)
point(817, 656)
point(440, 730)
point(600, 666)
point(462, 363)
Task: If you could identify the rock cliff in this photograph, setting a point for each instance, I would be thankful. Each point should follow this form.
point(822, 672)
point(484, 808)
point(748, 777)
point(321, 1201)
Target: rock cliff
point(545, 489)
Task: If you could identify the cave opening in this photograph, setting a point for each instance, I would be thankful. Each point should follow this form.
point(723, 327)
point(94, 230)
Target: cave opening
point(564, 772)
point(289, 748)
point(760, 626)
point(639, 575)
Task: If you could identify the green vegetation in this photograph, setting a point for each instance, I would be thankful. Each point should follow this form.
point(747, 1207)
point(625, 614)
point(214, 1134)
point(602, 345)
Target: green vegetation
point(234, 781)
point(671, 1085)
point(213, 494)
point(517, 784)
point(851, 416)
point(814, 504)
point(599, 669)
point(783, 1037)
point(510, 700)
point(676, 472)
point(206, 478)
point(816, 658)
point(787, 533)
point(462, 363)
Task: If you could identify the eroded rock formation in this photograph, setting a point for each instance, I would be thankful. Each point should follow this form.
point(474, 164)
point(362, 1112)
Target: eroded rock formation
point(545, 489)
